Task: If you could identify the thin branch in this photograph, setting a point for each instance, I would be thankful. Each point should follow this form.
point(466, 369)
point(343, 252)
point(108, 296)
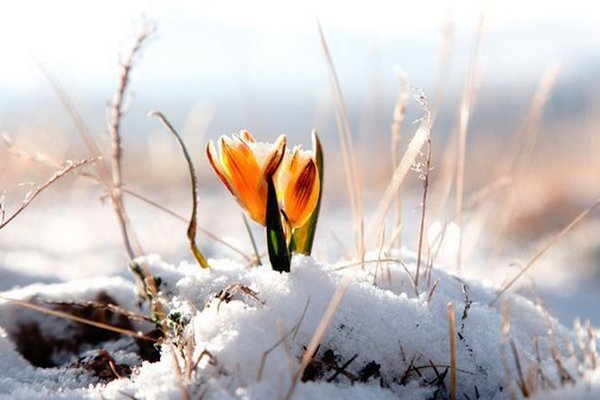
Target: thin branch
point(69, 166)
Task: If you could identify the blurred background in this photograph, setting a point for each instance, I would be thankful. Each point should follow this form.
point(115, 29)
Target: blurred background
point(216, 67)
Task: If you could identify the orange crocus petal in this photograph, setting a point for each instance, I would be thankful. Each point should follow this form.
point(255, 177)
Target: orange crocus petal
point(302, 193)
point(274, 158)
point(215, 162)
point(243, 172)
point(247, 136)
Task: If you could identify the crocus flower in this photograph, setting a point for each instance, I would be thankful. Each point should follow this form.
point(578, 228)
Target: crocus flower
point(244, 165)
point(297, 184)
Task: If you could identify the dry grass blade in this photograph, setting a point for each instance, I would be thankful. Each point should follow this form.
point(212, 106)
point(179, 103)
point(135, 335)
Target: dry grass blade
point(2, 207)
point(517, 159)
point(451, 337)
point(410, 155)
point(521, 380)
point(592, 340)
point(60, 314)
point(69, 166)
point(81, 126)
point(319, 334)
point(252, 240)
point(504, 337)
point(184, 220)
point(544, 249)
point(466, 106)
point(348, 154)
point(101, 306)
point(191, 232)
point(381, 260)
point(397, 120)
point(375, 261)
point(432, 291)
point(524, 139)
point(443, 71)
point(291, 332)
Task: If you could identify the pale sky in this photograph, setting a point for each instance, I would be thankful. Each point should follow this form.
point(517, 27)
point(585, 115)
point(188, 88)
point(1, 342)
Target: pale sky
point(87, 35)
point(258, 64)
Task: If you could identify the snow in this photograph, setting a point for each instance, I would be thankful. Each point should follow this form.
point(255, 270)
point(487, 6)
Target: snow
point(380, 321)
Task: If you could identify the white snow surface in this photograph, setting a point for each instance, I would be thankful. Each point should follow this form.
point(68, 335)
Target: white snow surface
point(380, 321)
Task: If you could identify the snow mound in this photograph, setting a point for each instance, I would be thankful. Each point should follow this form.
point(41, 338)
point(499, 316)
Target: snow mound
point(248, 329)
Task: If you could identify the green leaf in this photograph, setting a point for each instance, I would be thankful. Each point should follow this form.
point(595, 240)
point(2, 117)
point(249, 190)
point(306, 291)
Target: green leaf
point(278, 252)
point(303, 237)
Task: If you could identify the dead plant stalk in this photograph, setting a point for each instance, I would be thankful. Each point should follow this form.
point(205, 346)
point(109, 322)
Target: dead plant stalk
point(116, 146)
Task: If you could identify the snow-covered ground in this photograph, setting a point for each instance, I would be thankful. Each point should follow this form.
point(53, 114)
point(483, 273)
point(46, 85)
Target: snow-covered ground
point(383, 341)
